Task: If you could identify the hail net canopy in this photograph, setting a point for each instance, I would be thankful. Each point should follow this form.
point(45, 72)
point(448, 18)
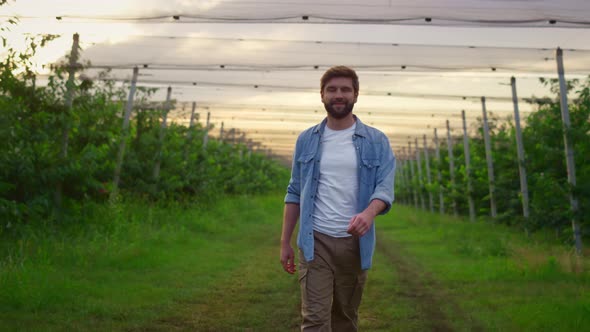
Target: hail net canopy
point(255, 65)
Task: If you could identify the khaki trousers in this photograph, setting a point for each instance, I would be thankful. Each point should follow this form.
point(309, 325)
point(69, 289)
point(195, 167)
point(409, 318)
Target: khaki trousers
point(331, 285)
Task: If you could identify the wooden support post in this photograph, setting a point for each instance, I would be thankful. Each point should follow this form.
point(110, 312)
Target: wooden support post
point(65, 115)
point(468, 169)
point(206, 136)
point(489, 159)
point(420, 181)
point(412, 175)
point(452, 169)
point(428, 177)
point(399, 180)
point(569, 151)
point(441, 201)
point(163, 127)
point(401, 183)
point(124, 135)
point(404, 166)
point(189, 137)
point(407, 181)
point(520, 150)
point(192, 120)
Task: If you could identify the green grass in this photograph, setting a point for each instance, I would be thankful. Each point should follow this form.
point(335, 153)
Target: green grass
point(494, 274)
point(132, 264)
point(132, 267)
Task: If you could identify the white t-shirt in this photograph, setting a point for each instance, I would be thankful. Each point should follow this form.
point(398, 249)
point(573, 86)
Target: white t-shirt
point(337, 195)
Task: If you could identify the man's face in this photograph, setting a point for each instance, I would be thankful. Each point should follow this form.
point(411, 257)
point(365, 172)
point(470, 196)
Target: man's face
point(339, 97)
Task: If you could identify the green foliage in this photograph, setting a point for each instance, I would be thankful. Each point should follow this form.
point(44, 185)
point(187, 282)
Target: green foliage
point(502, 280)
point(131, 264)
point(545, 164)
point(55, 157)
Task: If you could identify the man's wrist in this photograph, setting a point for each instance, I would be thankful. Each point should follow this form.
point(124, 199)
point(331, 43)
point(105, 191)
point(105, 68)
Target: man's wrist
point(371, 213)
point(374, 208)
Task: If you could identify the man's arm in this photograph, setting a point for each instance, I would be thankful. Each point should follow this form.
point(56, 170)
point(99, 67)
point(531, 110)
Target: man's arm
point(382, 196)
point(385, 177)
point(361, 223)
point(290, 216)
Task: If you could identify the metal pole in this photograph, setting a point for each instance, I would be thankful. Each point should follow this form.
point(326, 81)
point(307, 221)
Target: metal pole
point(520, 149)
point(420, 182)
point(468, 169)
point(569, 151)
point(428, 177)
point(489, 159)
point(441, 201)
point(124, 135)
point(221, 132)
point(69, 99)
point(451, 168)
point(162, 134)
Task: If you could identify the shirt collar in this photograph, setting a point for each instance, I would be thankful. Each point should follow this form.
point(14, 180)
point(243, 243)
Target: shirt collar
point(360, 130)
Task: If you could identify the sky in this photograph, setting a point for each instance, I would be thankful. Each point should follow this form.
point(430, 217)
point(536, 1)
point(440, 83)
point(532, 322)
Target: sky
point(268, 87)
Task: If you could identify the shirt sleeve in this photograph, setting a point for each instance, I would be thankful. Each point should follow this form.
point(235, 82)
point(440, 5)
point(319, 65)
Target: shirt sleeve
point(385, 176)
point(294, 187)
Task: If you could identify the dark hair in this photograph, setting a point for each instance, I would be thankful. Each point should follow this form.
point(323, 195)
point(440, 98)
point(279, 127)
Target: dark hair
point(340, 71)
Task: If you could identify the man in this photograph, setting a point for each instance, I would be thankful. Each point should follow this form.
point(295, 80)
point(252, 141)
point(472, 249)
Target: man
point(342, 178)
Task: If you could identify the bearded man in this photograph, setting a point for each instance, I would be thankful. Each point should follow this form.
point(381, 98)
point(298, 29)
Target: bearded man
point(341, 179)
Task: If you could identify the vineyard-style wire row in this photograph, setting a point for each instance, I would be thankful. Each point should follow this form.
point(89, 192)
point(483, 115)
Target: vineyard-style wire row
point(79, 146)
point(494, 175)
point(69, 142)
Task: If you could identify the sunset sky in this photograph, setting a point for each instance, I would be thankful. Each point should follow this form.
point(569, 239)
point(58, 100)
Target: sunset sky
point(446, 60)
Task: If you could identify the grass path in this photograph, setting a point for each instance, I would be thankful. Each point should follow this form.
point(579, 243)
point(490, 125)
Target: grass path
point(427, 293)
point(253, 296)
point(403, 293)
point(480, 276)
point(167, 269)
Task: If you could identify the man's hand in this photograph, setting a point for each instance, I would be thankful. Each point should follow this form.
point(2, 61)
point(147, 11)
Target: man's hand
point(360, 223)
point(288, 258)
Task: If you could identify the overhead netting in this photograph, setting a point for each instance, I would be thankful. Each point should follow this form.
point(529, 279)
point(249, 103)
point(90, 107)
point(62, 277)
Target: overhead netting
point(565, 13)
point(265, 84)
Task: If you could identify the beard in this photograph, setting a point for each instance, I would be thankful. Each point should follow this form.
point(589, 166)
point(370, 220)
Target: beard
point(339, 114)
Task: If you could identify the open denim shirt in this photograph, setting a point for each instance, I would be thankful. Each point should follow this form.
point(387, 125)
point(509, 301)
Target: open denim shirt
point(375, 174)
